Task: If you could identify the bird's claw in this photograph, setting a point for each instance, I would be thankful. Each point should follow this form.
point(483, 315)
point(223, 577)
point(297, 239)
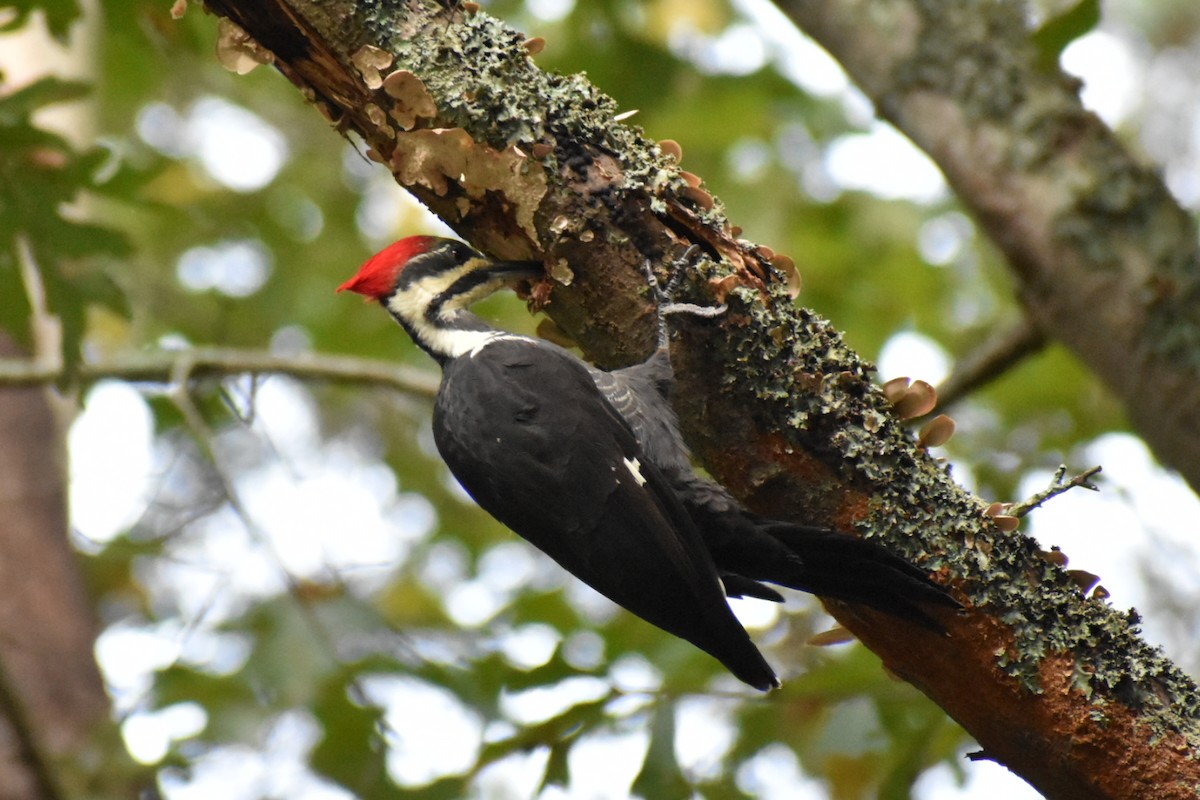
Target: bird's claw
point(664, 298)
point(679, 268)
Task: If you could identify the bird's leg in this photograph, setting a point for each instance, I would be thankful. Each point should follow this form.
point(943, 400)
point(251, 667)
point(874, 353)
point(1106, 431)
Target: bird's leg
point(664, 299)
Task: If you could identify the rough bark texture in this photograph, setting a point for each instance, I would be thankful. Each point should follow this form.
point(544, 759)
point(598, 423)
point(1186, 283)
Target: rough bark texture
point(1107, 262)
point(51, 694)
point(1053, 684)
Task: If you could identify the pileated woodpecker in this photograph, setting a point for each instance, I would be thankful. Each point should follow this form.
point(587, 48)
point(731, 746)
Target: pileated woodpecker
point(589, 467)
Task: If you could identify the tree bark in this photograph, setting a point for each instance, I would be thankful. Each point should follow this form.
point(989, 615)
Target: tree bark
point(52, 698)
point(1106, 261)
point(1053, 684)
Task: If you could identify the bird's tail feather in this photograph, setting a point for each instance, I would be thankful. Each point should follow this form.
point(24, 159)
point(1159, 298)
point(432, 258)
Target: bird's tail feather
point(841, 567)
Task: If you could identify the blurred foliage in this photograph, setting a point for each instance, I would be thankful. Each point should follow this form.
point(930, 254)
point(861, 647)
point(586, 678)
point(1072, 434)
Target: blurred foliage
point(58, 15)
point(37, 224)
point(1059, 31)
point(115, 227)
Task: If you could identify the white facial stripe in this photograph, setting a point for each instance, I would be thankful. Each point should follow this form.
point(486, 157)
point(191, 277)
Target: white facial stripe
point(417, 297)
point(412, 303)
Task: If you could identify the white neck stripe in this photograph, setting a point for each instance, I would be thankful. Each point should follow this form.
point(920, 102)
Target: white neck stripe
point(440, 335)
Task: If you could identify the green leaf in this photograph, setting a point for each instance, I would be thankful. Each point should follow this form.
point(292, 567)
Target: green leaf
point(351, 750)
point(235, 712)
point(59, 14)
point(559, 733)
point(68, 297)
point(660, 775)
point(39, 173)
point(112, 572)
point(1059, 31)
point(291, 657)
point(453, 787)
point(16, 107)
point(558, 773)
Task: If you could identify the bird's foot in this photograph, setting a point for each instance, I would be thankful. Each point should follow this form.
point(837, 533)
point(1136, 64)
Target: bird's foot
point(679, 269)
point(664, 298)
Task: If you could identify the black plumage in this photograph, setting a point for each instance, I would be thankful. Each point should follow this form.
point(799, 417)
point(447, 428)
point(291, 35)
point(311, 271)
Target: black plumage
point(749, 549)
point(576, 485)
point(589, 466)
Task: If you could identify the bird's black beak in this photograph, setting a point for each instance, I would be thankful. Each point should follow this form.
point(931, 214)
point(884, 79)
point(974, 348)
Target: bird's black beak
point(520, 276)
point(513, 271)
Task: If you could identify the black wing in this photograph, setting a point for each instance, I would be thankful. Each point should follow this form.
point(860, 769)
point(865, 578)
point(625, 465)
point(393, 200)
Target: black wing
point(527, 433)
point(641, 395)
point(746, 548)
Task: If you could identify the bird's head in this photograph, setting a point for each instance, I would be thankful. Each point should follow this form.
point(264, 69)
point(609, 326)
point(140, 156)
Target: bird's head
point(426, 277)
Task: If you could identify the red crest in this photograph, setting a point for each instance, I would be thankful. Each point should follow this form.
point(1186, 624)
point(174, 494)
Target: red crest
point(376, 279)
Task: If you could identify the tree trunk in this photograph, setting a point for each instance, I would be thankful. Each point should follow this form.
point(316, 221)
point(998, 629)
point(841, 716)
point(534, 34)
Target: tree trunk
point(51, 695)
point(1055, 685)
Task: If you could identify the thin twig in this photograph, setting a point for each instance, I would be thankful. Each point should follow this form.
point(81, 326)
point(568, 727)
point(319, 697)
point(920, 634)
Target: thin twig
point(1057, 486)
point(44, 328)
point(181, 397)
point(161, 365)
point(989, 361)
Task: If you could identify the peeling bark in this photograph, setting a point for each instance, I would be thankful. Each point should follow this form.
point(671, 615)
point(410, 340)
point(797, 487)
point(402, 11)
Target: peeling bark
point(1053, 684)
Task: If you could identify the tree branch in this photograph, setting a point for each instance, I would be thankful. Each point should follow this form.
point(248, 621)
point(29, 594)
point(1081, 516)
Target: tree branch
point(1058, 485)
point(1055, 685)
point(998, 354)
point(161, 367)
point(1107, 261)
